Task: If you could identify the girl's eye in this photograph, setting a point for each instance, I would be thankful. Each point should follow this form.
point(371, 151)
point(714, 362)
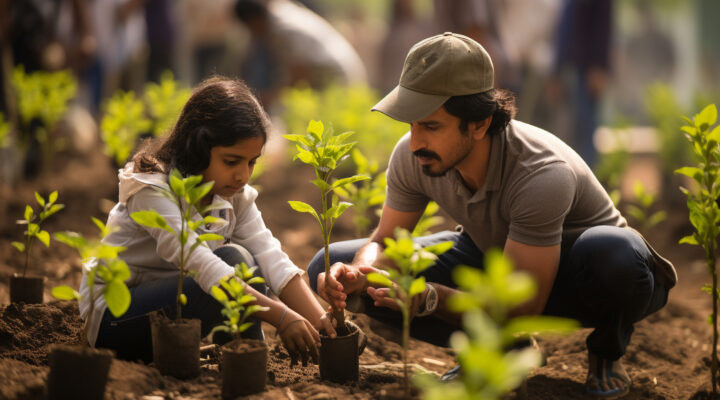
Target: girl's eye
point(252, 163)
point(231, 162)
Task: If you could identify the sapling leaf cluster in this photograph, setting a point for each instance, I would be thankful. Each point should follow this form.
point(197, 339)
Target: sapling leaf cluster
point(236, 303)
point(186, 194)
point(102, 262)
point(485, 298)
point(703, 206)
point(33, 219)
point(321, 148)
point(402, 278)
point(640, 209)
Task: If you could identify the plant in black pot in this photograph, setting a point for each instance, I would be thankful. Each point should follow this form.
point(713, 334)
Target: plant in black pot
point(24, 288)
point(176, 342)
point(324, 150)
point(244, 361)
point(80, 372)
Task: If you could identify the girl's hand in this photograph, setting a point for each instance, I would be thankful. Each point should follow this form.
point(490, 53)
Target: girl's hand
point(299, 338)
point(327, 324)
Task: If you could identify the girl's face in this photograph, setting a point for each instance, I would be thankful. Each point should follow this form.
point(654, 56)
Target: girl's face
point(231, 167)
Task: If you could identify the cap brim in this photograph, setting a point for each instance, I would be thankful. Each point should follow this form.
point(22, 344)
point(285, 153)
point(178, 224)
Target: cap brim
point(408, 105)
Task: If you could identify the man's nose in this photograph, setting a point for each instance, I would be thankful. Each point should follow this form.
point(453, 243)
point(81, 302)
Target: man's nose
point(416, 141)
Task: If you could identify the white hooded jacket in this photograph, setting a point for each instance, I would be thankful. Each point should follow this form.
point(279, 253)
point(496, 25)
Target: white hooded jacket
point(153, 253)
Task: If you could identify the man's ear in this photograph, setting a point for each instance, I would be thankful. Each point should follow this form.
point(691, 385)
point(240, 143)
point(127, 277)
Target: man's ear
point(478, 129)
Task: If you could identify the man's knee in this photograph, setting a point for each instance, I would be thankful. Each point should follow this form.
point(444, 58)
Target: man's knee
point(316, 266)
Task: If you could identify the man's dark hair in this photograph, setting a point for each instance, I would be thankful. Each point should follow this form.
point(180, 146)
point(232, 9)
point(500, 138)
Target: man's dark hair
point(220, 112)
point(498, 103)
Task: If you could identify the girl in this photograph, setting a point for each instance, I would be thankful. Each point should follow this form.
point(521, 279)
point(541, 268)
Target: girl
point(220, 134)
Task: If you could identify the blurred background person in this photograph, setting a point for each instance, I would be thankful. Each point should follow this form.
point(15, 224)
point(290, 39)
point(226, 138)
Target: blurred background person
point(291, 44)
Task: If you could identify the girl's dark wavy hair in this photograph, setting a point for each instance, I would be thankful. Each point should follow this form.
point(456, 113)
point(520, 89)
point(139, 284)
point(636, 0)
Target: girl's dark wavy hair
point(220, 112)
point(498, 103)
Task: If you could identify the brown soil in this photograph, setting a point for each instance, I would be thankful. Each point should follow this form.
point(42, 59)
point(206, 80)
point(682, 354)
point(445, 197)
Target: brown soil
point(667, 359)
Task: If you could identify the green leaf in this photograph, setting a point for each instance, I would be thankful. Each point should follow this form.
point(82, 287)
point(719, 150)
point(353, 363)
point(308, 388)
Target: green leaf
point(19, 246)
point(340, 208)
point(218, 294)
point(39, 199)
point(44, 237)
point(417, 286)
point(52, 198)
point(183, 299)
point(303, 207)
point(316, 128)
point(28, 213)
point(245, 326)
point(539, 324)
point(692, 172)
point(210, 236)
point(715, 134)
point(151, 219)
point(199, 192)
point(65, 293)
point(379, 279)
point(117, 297)
point(345, 181)
point(324, 186)
point(439, 248)
point(690, 239)
point(708, 116)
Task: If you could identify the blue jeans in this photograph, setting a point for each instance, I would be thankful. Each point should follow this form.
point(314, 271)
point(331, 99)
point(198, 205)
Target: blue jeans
point(129, 335)
point(605, 280)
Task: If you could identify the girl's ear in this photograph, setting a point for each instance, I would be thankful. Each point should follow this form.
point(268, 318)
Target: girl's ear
point(478, 129)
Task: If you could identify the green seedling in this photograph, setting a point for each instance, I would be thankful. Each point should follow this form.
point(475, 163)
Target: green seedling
point(236, 304)
point(640, 211)
point(485, 298)
point(347, 107)
point(366, 194)
point(122, 124)
point(102, 262)
point(324, 150)
point(165, 102)
point(33, 220)
point(703, 206)
point(44, 97)
point(186, 194)
point(402, 279)
point(428, 220)
point(4, 132)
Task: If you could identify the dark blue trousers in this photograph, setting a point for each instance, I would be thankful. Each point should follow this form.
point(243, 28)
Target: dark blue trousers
point(129, 335)
point(605, 281)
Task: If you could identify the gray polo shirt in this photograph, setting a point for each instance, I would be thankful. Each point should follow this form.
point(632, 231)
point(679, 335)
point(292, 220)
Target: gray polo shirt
point(538, 191)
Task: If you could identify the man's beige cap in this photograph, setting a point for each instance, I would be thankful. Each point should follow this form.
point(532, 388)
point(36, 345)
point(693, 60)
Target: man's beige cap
point(435, 69)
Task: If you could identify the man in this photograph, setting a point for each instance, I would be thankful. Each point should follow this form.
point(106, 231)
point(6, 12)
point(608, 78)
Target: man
point(510, 185)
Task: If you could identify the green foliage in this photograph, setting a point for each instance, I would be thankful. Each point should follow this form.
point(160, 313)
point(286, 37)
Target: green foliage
point(4, 132)
point(186, 194)
point(662, 107)
point(128, 117)
point(365, 194)
point(33, 219)
point(102, 262)
point(612, 165)
point(640, 209)
point(44, 95)
point(703, 206)
point(165, 101)
point(231, 294)
point(349, 109)
point(485, 299)
point(428, 220)
point(122, 124)
point(410, 260)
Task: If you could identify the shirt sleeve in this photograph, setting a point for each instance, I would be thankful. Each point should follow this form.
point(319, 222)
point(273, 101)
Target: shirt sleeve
point(539, 204)
point(403, 193)
point(251, 233)
point(209, 267)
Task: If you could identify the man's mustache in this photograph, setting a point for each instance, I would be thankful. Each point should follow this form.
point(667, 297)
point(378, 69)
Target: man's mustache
point(426, 154)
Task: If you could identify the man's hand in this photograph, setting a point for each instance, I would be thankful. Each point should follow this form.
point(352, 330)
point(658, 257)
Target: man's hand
point(344, 279)
point(381, 297)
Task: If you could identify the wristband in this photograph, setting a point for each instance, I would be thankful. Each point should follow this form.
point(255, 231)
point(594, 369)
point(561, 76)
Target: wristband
point(282, 318)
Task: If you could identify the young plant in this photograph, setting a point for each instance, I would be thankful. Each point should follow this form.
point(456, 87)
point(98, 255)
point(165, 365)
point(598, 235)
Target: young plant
point(703, 207)
point(4, 132)
point(42, 99)
point(102, 262)
point(33, 220)
point(367, 194)
point(231, 294)
point(640, 211)
point(489, 371)
point(427, 220)
point(186, 194)
point(165, 102)
point(122, 124)
point(324, 150)
point(410, 260)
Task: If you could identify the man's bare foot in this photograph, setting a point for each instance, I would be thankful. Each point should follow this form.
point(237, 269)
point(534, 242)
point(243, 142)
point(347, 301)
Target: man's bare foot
point(606, 379)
